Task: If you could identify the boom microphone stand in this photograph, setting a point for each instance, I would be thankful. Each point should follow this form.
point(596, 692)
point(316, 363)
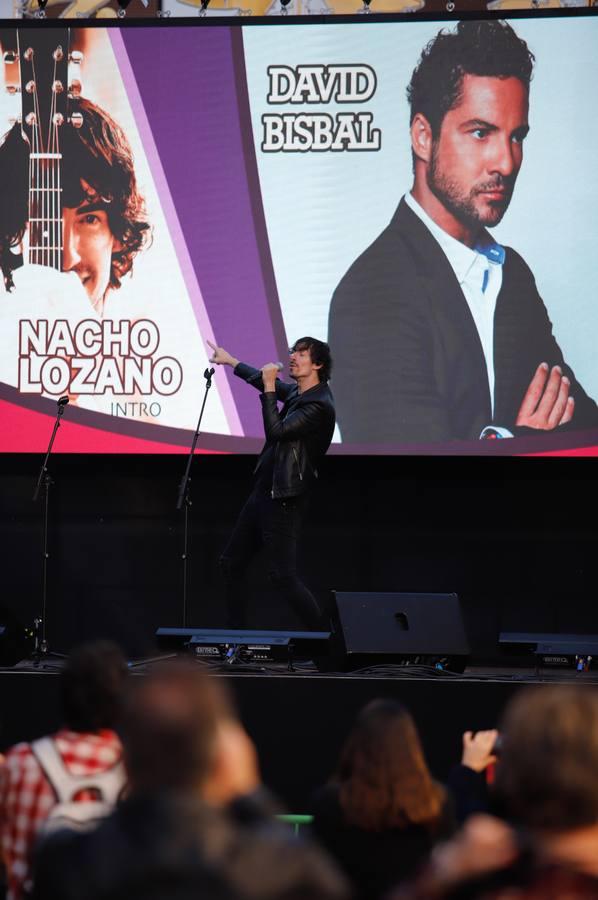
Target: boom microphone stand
point(40, 646)
point(184, 492)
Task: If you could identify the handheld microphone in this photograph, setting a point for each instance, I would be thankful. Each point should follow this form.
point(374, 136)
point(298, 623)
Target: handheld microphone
point(63, 401)
point(258, 374)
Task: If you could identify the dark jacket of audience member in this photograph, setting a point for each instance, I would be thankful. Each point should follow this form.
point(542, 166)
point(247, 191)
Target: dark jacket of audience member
point(382, 812)
point(195, 823)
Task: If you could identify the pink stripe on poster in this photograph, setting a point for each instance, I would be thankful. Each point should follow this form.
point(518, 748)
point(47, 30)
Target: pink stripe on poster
point(27, 431)
point(571, 451)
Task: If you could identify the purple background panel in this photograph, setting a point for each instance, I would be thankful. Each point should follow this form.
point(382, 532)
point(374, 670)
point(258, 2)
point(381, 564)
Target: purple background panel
point(186, 79)
point(173, 224)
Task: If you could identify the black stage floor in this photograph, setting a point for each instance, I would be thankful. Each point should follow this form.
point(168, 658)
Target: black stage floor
point(299, 719)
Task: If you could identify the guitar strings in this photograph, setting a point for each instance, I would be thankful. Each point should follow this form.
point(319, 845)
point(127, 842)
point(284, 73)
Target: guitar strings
point(52, 165)
point(37, 147)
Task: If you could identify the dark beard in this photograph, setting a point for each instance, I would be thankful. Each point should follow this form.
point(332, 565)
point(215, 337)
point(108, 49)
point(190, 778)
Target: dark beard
point(463, 207)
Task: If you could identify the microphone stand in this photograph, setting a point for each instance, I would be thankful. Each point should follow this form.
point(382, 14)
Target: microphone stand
point(184, 492)
point(40, 645)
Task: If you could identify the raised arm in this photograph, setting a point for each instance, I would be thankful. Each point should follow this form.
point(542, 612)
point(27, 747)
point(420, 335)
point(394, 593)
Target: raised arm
point(249, 374)
point(222, 357)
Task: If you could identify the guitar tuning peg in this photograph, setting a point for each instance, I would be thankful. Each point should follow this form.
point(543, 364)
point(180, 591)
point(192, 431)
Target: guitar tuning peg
point(10, 56)
point(76, 57)
point(58, 54)
point(58, 119)
point(75, 89)
point(30, 87)
point(58, 87)
point(76, 120)
point(12, 89)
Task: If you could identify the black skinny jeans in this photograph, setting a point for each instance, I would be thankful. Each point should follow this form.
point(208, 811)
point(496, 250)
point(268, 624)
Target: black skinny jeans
point(273, 525)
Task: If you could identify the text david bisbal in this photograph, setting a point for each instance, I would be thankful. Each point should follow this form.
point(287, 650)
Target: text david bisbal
point(95, 357)
point(320, 131)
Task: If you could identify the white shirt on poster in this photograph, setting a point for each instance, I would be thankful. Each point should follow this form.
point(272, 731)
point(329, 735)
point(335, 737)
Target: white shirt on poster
point(480, 280)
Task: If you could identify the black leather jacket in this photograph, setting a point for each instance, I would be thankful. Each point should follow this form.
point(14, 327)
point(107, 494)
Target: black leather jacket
point(300, 433)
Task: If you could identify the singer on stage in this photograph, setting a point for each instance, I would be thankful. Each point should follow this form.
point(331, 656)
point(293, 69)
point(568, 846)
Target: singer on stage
point(297, 437)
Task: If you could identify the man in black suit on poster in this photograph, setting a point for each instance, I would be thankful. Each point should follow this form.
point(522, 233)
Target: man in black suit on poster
point(440, 333)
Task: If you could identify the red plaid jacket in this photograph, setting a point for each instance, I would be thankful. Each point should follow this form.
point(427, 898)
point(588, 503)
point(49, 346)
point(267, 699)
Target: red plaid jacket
point(26, 796)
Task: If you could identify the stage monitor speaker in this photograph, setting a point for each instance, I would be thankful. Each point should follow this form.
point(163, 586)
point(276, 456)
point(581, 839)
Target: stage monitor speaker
point(243, 645)
point(372, 629)
point(576, 651)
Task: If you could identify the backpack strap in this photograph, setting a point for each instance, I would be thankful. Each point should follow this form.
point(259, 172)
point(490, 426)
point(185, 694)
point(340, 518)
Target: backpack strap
point(108, 784)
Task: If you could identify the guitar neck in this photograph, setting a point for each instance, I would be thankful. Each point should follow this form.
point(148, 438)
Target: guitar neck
point(43, 70)
point(45, 210)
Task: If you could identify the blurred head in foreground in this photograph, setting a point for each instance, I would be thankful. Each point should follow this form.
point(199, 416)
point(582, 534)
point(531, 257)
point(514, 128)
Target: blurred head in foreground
point(548, 773)
point(182, 734)
point(93, 682)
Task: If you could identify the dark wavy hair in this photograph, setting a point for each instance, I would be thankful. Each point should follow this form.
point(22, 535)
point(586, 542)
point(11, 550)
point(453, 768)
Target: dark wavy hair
point(484, 48)
point(384, 781)
point(99, 154)
point(93, 683)
point(319, 353)
point(14, 197)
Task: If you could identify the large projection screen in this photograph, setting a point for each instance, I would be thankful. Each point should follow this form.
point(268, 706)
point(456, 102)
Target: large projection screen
point(250, 185)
